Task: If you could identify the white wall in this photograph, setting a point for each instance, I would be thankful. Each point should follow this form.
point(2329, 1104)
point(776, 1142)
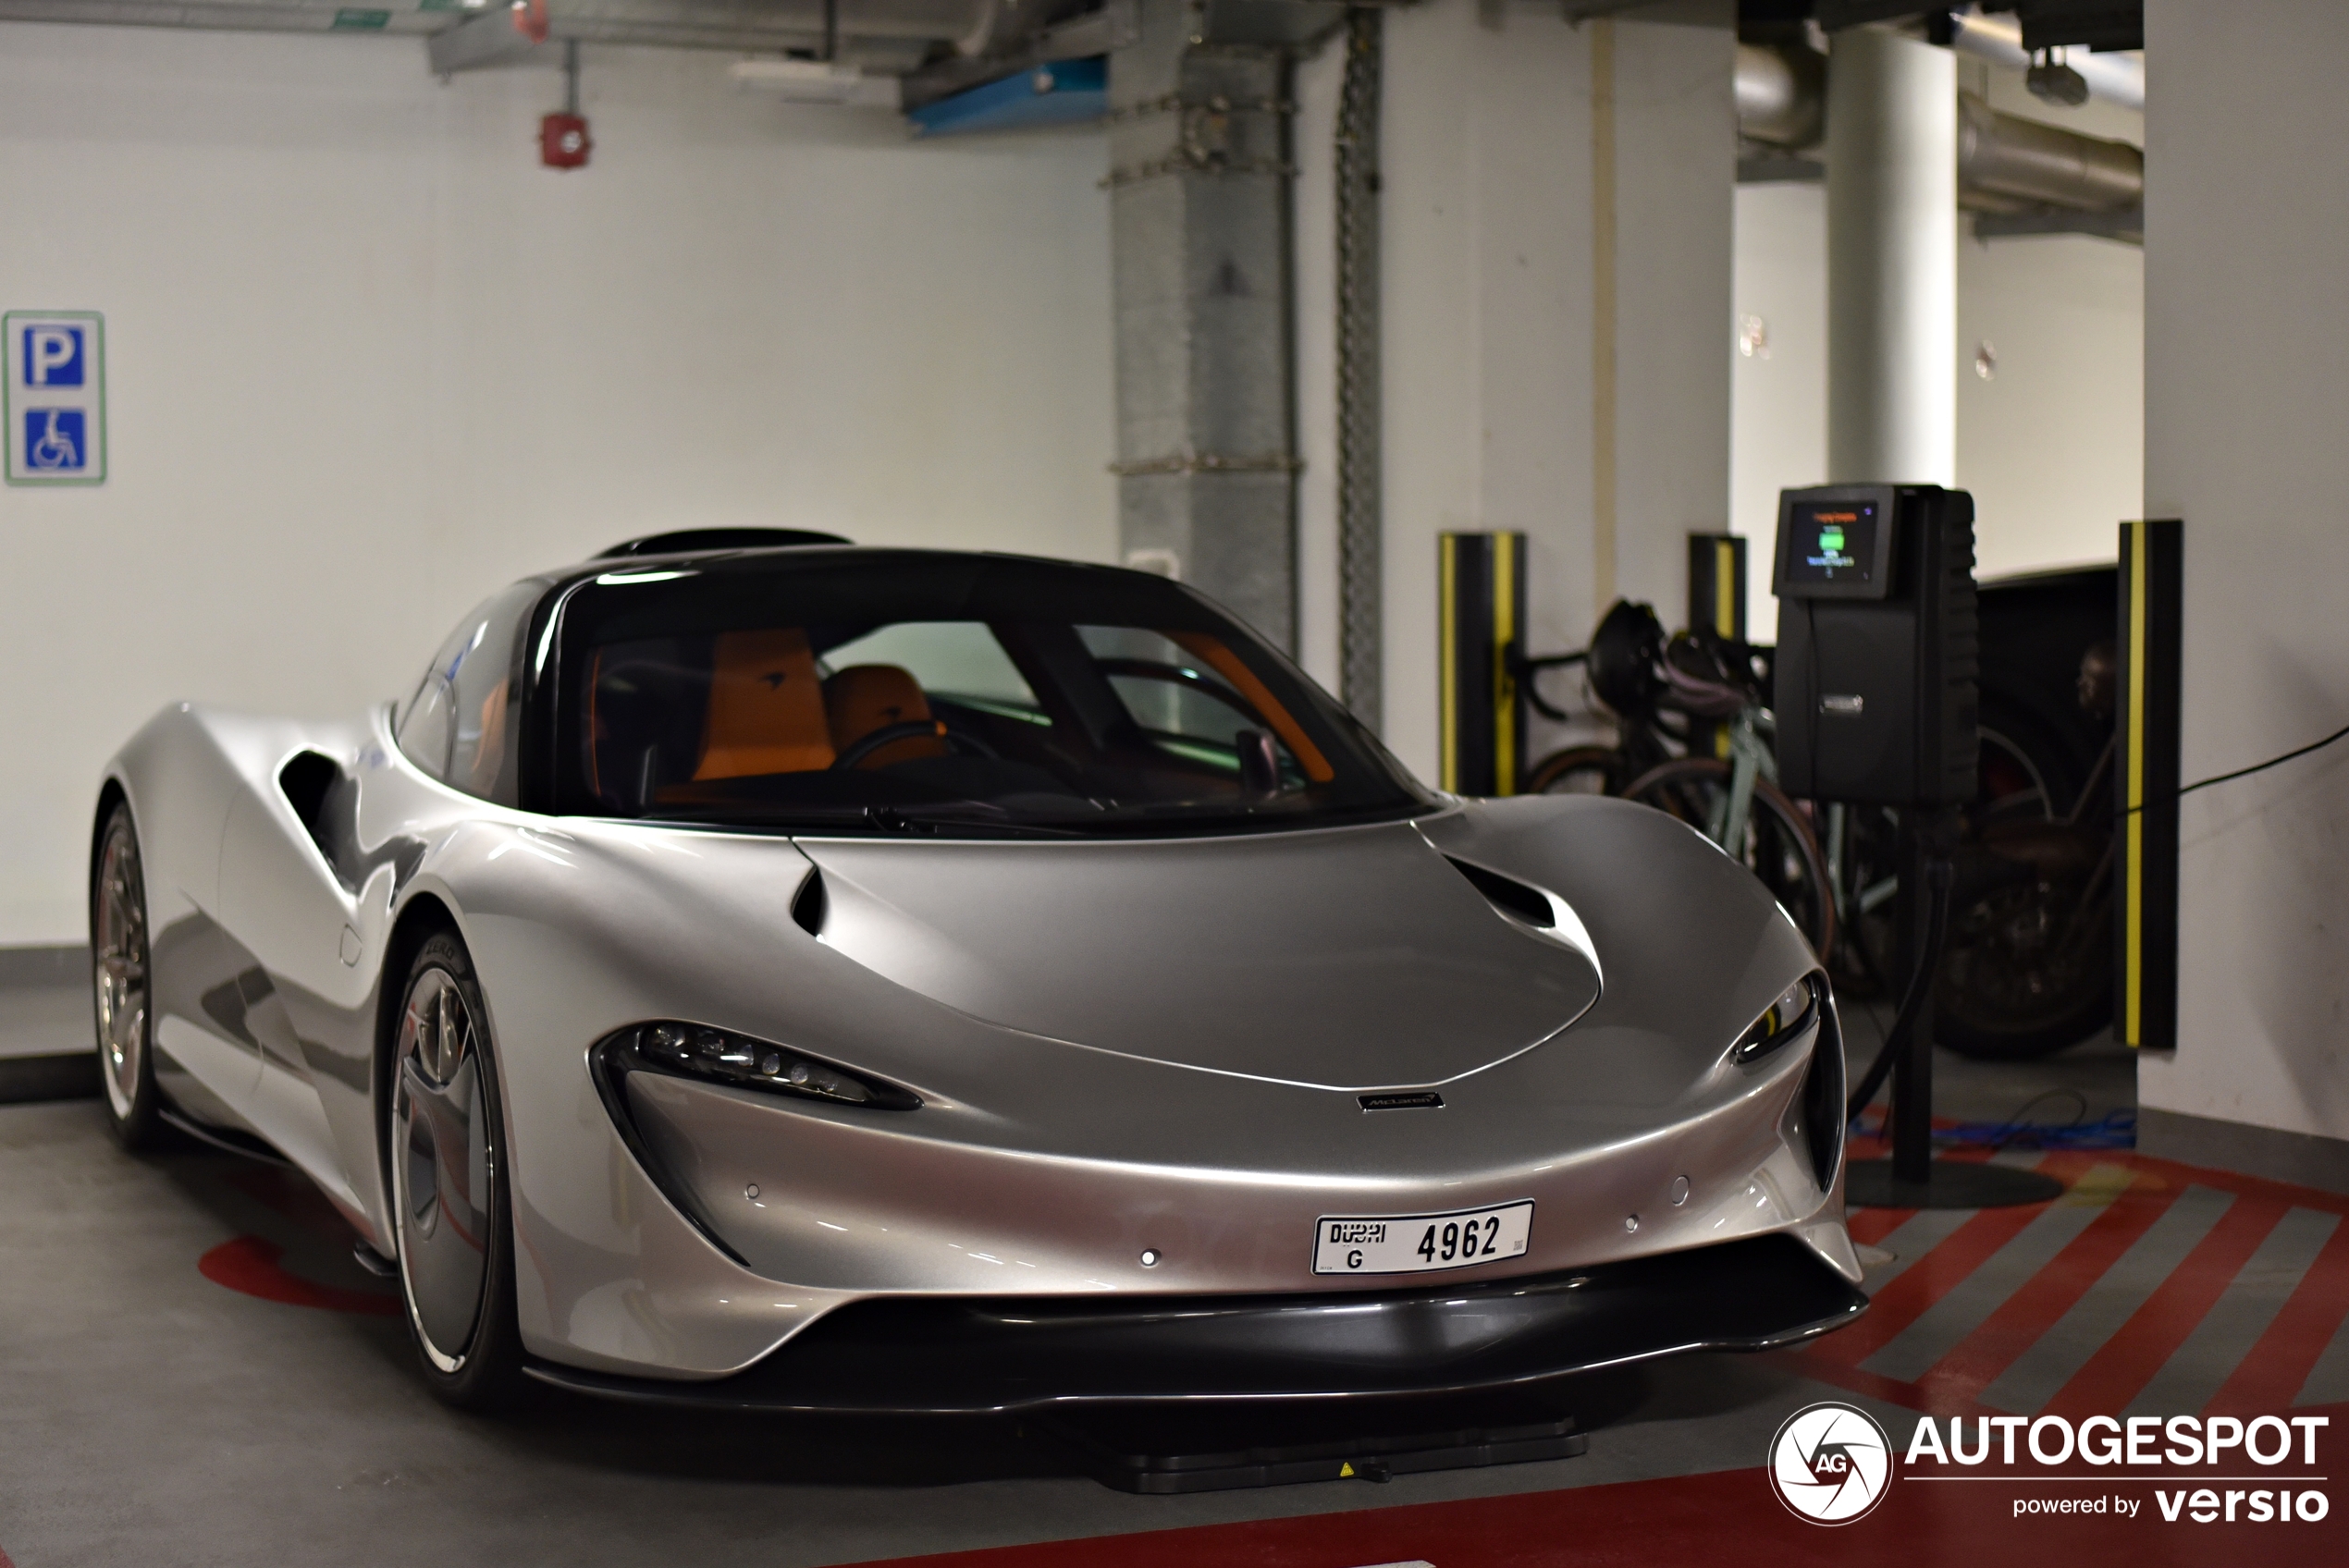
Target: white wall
point(367, 361)
point(2051, 445)
point(1778, 403)
point(1487, 297)
point(2247, 356)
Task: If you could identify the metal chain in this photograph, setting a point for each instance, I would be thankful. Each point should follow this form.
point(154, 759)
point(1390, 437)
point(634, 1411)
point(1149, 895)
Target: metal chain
point(1359, 523)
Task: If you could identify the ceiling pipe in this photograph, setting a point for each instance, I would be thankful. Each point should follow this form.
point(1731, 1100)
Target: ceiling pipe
point(2025, 161)
point(1781, 95)
point(2005, 162)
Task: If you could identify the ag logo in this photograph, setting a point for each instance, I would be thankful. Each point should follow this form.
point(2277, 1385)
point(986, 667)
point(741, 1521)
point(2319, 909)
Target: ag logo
point(1830, 1464)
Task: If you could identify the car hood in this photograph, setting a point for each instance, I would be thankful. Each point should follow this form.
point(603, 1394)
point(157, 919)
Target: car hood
point(1351, 959)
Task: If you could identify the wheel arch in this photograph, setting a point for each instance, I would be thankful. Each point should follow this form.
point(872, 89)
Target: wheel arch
point(110, 794)
point(424, 916)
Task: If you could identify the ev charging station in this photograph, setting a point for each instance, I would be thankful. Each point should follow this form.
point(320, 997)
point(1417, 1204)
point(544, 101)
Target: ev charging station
point(1876, 705)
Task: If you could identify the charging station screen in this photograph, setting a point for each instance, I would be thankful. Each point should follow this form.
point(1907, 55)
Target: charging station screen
point(1832, 542)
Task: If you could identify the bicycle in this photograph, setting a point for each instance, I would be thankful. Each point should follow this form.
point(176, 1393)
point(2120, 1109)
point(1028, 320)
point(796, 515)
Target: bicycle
point(1704, 682)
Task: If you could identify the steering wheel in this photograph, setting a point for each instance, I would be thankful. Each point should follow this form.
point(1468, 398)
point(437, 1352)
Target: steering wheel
point(865, 746)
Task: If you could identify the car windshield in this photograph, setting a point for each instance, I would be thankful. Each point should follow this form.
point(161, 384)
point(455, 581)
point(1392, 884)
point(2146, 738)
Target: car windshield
point(974, 696)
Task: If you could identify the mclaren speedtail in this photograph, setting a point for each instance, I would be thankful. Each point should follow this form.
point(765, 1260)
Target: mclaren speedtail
point(750, 969)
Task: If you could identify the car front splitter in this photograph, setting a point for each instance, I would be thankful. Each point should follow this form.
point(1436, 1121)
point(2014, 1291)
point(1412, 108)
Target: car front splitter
point(969, 1356)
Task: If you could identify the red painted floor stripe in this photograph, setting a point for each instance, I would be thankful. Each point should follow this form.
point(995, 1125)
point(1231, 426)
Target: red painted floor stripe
point(1698, 1521)
point(2273, 1370)
point(2028, 1314)
point(1870, 1226)
point(2138, 1350)
point(250, 1265)
point(1905, 1299)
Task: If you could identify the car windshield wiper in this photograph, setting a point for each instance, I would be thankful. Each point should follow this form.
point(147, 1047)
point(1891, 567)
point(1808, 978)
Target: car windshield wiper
point(977, 815)
point(987, 818)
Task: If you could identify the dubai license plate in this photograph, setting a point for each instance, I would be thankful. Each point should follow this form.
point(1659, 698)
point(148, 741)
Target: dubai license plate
point(1420, 1243)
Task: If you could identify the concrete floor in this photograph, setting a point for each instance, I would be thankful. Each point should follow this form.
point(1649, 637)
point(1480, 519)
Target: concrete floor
point(193, 1371)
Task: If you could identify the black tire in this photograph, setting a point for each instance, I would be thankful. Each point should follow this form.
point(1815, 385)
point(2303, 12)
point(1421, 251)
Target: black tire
point(1578, 770)
point(1780, 846)
point(456, 1279)
point(121, 984)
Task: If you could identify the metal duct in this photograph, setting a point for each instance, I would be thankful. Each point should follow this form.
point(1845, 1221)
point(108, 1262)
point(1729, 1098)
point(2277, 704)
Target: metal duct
point(2005, 162)
point(768, 25)
point(2006, 155)
point(1781, 95)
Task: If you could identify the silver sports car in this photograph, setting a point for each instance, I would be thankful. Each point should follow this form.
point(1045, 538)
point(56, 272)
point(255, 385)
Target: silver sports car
point(754, 970)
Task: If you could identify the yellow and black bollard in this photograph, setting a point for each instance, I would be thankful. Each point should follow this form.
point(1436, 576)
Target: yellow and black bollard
point(2152, 605)
point(1481, 625)
point(1716, 602)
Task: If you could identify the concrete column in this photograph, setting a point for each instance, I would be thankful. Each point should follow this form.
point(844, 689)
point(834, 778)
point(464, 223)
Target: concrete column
point(1200, 237)
point(1892, 260)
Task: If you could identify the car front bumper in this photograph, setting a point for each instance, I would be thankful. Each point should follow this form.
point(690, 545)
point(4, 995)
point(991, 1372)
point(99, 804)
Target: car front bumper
point(941, 1355)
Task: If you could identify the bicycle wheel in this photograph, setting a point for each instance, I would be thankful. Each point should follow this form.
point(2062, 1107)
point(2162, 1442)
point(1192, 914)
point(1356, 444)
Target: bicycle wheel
point(1779, 846)
point(1577, 770)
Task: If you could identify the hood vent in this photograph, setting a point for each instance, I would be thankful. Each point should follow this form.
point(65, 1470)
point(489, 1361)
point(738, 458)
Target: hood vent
point(807, 905)
point(1511, 897)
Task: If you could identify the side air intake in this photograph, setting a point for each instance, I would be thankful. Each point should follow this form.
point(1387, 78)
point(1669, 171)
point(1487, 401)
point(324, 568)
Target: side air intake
point(1528, 904)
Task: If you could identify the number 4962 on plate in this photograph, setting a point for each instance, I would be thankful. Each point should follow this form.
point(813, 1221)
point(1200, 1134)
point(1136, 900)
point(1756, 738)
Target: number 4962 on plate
point(1420, 1243)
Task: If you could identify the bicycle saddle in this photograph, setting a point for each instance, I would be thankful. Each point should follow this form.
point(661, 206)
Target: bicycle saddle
point(1699, 682)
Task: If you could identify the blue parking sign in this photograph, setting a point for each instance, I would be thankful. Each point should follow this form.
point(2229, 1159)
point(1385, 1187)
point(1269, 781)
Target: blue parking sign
point(53, 403)
point(53, 355)
point(56, 440)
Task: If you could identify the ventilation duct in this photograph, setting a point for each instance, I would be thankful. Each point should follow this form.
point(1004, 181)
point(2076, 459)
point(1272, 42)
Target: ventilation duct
point(2005, 160)
point(1781, 95)
point(2006, 164)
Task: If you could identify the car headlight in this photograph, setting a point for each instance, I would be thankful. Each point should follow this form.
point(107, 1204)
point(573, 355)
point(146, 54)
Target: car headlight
point(1797, 1006)
point(719, 1055)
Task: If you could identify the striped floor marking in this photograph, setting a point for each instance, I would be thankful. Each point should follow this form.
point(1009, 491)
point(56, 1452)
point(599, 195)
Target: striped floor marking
point(1942, 1326)
point(2028, 1315)
point(2277, 1371)
point(2151, 1282)
point(2113, 1377)
point(2329, 1380)
point(1911, 1238)
point(2034, 1376)
point(2198, 1368)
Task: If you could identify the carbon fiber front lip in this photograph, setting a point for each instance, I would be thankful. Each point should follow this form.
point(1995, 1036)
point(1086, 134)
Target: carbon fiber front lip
point(962, 1356)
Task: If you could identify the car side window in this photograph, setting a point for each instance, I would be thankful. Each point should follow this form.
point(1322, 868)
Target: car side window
point(460, 723)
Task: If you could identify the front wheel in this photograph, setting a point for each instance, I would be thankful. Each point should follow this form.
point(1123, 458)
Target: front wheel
point(451, 1219)
point(1777, 845)
point(121, 984)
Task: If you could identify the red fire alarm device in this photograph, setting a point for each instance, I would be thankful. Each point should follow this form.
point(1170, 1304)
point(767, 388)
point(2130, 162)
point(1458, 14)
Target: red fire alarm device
point(563, 142)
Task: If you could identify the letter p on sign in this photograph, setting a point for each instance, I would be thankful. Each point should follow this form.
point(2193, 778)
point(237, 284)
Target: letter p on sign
point(52, 356)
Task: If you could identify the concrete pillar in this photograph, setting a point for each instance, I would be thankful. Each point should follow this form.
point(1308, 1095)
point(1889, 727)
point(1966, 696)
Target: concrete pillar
point(1199, 170)
point(1892, 260)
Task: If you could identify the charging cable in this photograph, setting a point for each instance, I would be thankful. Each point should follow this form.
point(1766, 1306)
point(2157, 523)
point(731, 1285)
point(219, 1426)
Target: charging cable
point(2296, 752)
point(1938, 874)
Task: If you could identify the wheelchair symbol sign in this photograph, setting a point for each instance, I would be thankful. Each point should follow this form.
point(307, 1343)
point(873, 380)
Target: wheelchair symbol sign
point(54, 401)
point(56, 440)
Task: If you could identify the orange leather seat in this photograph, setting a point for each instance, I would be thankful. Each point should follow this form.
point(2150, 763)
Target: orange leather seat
point(865, 697)
point(766, 708)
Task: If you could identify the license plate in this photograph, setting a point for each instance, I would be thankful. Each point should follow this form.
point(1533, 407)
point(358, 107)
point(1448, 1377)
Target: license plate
point(1420, 1243)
